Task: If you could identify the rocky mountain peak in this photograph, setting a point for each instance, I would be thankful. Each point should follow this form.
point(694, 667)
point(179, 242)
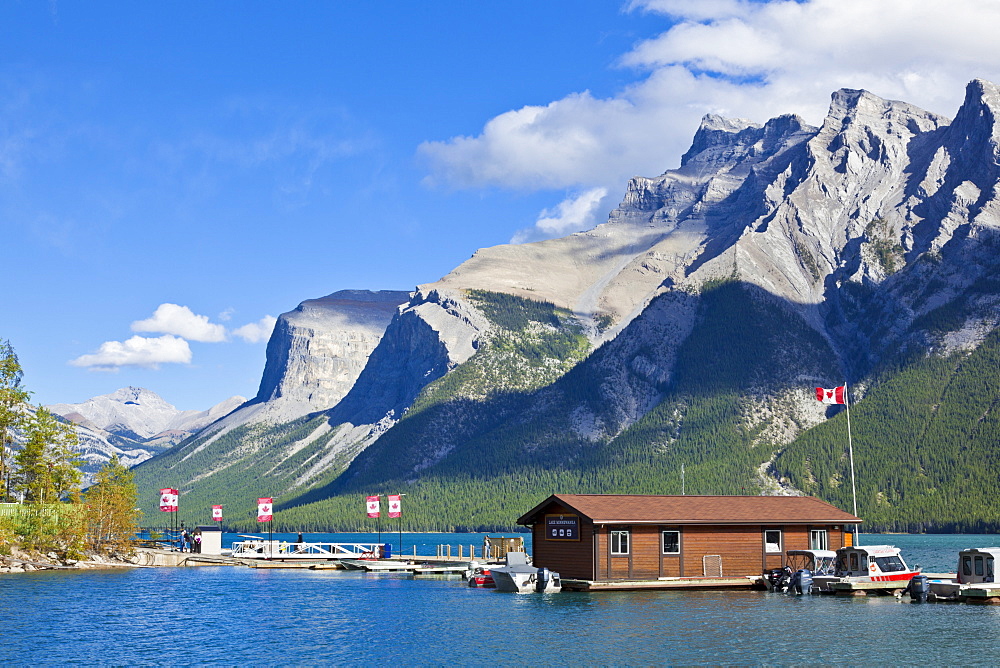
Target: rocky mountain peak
point(317, 350)
point(721, 138)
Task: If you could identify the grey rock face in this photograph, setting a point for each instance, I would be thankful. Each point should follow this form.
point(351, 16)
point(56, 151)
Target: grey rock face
point(431, 335)
point(318, 350)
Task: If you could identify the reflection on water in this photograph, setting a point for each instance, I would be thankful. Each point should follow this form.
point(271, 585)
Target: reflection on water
point(226, 615)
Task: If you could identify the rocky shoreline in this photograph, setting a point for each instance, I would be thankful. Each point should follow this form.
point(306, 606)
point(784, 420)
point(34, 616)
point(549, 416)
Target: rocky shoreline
point(20, 561)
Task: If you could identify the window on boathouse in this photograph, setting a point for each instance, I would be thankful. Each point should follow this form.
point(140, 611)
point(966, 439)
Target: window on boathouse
point(772, 540)
point(819, 540)
point(671, 542)
point(619, 542)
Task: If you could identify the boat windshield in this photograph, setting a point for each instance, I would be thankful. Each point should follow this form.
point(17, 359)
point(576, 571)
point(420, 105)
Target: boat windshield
point(891, 564)
point(824, 565)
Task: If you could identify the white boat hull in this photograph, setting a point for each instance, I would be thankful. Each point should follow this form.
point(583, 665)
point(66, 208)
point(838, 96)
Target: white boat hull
point(523, 582)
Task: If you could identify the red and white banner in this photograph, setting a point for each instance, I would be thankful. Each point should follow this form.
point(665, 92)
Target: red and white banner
point(264, 509)
point(832, 396)
point(373, 507)
point(395, 506)
point(217, 513)
point(168, 500)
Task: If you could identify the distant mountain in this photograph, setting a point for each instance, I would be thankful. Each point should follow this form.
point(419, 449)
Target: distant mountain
point(134, 423)
point(688, 330)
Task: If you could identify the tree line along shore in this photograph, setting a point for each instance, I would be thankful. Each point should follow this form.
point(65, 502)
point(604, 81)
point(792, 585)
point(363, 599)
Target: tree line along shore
point(46, 518)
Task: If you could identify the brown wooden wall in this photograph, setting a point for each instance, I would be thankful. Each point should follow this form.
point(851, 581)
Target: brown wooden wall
point(571, 559)
point(741, 548)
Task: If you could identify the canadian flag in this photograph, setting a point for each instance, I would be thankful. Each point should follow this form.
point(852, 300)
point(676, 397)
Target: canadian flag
point(217, 513)
point(395, 506)
point(832, 396)
point(373, 508)
point(264, 509)
point(168, 500)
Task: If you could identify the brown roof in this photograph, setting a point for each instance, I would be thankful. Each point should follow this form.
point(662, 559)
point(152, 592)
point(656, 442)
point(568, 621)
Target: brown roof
point(652, 509)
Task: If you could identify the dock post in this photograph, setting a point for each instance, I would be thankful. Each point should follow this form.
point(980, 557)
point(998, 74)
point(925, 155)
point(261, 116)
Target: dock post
point(460, 550)
point(449, 551)
point(414, 549)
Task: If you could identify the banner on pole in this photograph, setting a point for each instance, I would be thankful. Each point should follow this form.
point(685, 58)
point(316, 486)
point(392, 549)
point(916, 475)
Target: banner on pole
point(831, 396)
point(264, 509)
point(168, 500)
point(217, 513)
point(372, 506)
point(395, 505)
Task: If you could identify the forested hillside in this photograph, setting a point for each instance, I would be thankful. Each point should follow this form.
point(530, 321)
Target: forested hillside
point(926, 444)
point(513, 448)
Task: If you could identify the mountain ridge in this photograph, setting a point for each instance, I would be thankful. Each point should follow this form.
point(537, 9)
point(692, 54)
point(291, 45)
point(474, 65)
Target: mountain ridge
point(869, 241)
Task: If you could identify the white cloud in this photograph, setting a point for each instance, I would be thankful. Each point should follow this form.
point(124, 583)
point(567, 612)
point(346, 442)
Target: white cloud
point(181, 321)
point(255, 332)
point(571, 215)
point(736, 58)
point(138, 351)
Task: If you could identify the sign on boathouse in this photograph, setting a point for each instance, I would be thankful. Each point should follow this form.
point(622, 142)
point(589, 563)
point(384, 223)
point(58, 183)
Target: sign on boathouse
point(562, 527)
point(646, 537)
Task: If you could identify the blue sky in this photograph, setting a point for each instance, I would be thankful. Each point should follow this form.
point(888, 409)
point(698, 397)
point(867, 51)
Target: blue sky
point(175, 175)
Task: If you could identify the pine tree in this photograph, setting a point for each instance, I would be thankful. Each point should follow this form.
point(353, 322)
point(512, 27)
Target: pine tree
point(112, 515)
point(13, 401)
point(46, 465)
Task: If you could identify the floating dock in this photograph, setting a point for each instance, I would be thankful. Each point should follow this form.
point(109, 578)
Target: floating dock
point(692, 583)
point(889, 588)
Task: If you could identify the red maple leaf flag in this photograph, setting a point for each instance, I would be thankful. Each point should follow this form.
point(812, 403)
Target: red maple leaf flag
point(217, 513)
point(168, 500)
point(264, 509)
point(832, 396)
point(395, 506)
point(373, 507)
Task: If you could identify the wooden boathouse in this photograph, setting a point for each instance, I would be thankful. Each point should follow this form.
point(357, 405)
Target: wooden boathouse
point(622, 537)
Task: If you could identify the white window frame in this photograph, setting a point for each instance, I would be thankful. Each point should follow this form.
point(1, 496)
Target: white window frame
point(616, 538)
point(770, 546)
point(663, 542)
point(819, 539)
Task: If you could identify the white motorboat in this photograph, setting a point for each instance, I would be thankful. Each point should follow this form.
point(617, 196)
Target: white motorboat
point(521, 577)
point(867, 564)
point(975, 579)
point(818, 563)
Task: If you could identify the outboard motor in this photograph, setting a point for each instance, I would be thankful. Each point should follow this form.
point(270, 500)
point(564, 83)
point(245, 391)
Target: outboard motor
point(778, 578)
point(544, 575)
point(387, 550)
point(802, 582)
point(920, 587)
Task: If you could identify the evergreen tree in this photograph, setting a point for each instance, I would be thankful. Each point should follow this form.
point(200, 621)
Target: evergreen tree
point(46, 465)
point(13, 400)
point(112, 515)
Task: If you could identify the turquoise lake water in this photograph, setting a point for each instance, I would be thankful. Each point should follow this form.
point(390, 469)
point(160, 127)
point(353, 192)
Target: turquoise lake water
point(255, 617)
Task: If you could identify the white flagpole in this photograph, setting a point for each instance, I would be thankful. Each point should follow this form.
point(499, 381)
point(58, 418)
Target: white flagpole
point(850, 452)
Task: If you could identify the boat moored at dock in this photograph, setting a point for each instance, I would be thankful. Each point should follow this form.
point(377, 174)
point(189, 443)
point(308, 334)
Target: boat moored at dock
point(974, 581)
point(521, 577)
point(866, 568)
point(800, 570)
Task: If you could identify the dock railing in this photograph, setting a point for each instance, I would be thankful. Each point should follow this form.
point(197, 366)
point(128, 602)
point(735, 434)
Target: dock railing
point(279, 549)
